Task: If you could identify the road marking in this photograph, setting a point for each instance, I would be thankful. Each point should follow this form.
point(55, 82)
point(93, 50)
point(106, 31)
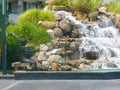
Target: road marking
point(12, 85)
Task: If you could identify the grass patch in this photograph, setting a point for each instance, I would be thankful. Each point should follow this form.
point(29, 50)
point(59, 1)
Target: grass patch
point(114, 6)
point(35, 15)
point(85, 6)
point(61, 2)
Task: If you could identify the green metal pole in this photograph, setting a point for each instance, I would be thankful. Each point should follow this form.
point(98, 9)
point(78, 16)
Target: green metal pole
point(4, 65)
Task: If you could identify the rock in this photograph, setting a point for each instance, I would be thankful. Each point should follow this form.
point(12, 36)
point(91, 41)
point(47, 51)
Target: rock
point(75, 33)
point(54, 66)
point(65, 26)
point(111, 65)
point(85, 66)
point(62, 51)
point(42, 56)
point(66, 68)
point(55, 58)
point(73, 46)
point(102, 10)
point(117, 24)
point(68, 52)
point(44, 48)
point(79, 15)
point(56, 52)
point(75, 55)
point(50, 33)
point(39, 66)
point(91, 55)
point(58, 17)
point(97, 64)
point(45, 65)
point(58, 8)
point(35, 57)
point(58, 32)
point(117, 21)
point(93, 16)
point(117, 17)
point(66, 45)
point(48, 24)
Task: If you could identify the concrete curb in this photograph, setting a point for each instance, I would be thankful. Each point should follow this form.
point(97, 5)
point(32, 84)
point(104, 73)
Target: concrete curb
point(71, 75)
point(8, 77)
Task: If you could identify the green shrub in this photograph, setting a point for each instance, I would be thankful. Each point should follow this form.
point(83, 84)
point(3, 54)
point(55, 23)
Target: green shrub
point(114, 6)
point(34, 34)
point(35, 15)
point(85, 6)
point(12, 52)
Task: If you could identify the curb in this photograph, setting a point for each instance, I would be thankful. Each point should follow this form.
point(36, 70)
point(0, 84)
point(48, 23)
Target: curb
point(8, 77)
point(66, 75)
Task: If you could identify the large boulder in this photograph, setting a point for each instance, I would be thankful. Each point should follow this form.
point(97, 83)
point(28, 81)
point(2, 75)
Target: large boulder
point(65, 26)
point(91, 55)
point(93, 16)
point(73, 46)
point(58, 32)
point(41, 56)
point(55, 58)
point(75, 33)
point(45, 65)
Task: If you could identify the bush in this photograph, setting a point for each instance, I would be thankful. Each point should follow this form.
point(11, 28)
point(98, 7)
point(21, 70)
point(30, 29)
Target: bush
point(12, 52)
point(35, 15)
point(34, 34)
point(114, 6)
point(85, 6)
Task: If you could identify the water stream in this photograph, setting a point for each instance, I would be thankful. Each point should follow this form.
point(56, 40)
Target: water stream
point(101, 37)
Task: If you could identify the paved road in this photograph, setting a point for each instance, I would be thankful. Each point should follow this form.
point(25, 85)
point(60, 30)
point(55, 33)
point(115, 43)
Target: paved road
point(60, 85)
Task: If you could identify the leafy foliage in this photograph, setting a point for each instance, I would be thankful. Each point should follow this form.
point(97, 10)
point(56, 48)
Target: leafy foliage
point(34, 34)
point(12, 52)
point(35, 15)
point(114, 6)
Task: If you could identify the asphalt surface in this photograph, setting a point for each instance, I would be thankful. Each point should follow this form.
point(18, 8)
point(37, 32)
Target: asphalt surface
point(60, 84)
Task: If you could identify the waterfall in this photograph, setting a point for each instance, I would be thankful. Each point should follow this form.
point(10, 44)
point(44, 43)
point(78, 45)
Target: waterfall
point(101, 38)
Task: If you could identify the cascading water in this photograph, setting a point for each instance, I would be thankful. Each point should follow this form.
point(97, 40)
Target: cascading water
point(101, 39)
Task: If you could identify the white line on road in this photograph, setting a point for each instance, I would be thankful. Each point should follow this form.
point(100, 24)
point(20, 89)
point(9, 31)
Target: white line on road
point(12, 85)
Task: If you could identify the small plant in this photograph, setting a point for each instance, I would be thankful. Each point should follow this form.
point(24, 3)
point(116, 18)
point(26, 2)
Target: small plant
point(114, 6)
point(85, 6)
point(35, 15)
